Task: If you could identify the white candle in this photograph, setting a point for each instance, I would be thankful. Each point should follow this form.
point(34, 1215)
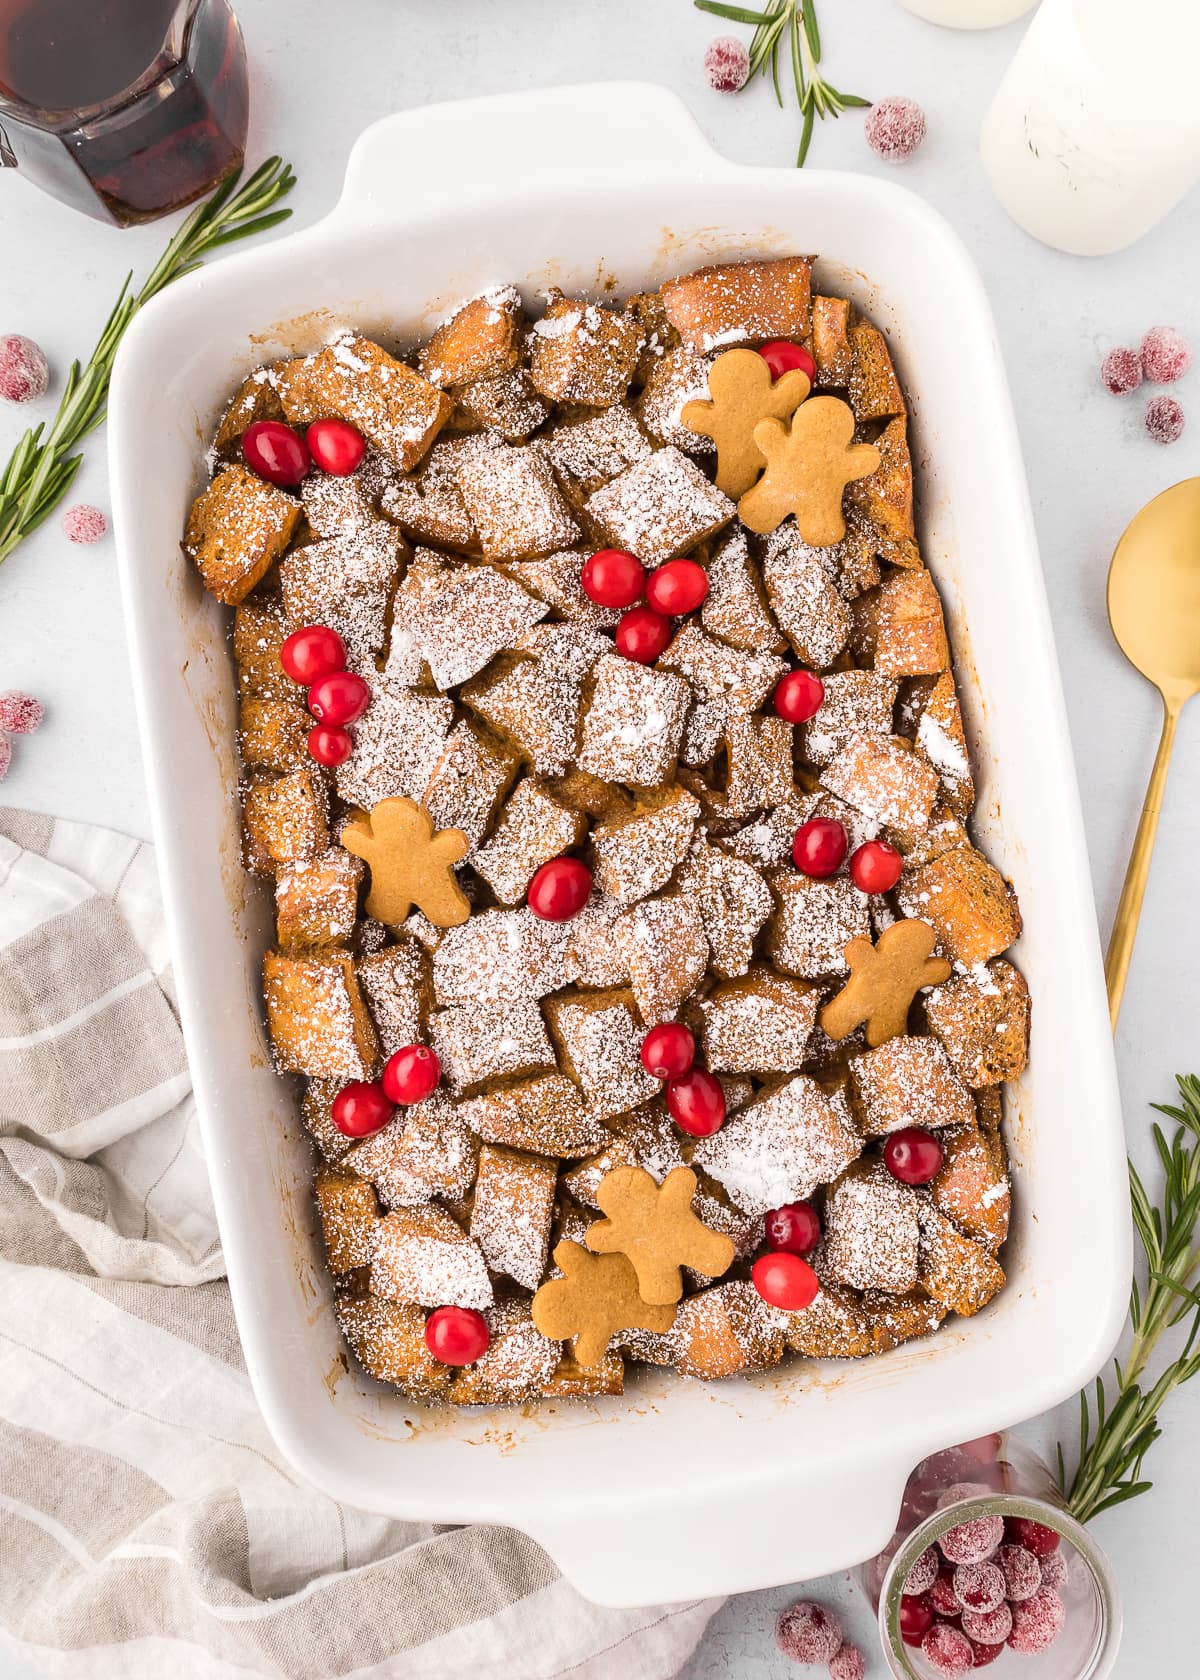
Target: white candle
point(969, 14)
point(1094, 134)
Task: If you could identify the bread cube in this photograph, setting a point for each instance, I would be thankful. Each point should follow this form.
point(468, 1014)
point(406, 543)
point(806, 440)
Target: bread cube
point(507, 404)
point(599, 1043)
point(760, 764)
point(335, 505)
point(882, 777)
point(896, 1319)
point(316, 901)
point(422, 1255)
point(921, 846)
point(874, 391)
point(637, 854)
point(909, 1082)
point(468, 782)
point(941, 737)
point(759, 1024)
point(956, 1272)
point(734, 902)
point(316, 1017)
point(572, 1381)
point(287, 818)
point(588, 454)
point(767, 842)
point(516, 1365)
point(910, 631)
point(533, 696)
point(468, 621)
point(982, 1020)
point(395, 982)
point(725, 1330)
point(659, 337)
point(813, 923)
point(427, 577)
point(555, 579)
point(592, 955)
point(872, 1231)
point(544, 1116)
point(479, 341)
point(533, 828)
point(422, 1152)
point(663, 946)
point(236, 531)
point(258, 635)
point(484, 1041)
point(881, 505)
point(254, 400)
point(393, 407)
point(662, 507)
point(973, 1188)
point(315, 1113)
point(515, 503)
point(804, 598)
point(583, 353)
point(782, 1146)
point(647, 1138)
point(430, 506)
point(833, 1326)
point(498, 957)
point(855, 703)
point(735, 609)
point(678, 378)
point(397, 742)
point(272, 734)
point(388, 1340)
point(633, 722)
point(726, 680)
point(853, 565)
point(741, 303)
point(968, 901)
point(513, 1207)
point(831, 347)
point(349, 1215)
point(345, 583)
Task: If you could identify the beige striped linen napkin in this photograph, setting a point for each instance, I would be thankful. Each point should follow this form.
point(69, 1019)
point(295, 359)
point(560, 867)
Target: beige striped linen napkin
point(148, 1526)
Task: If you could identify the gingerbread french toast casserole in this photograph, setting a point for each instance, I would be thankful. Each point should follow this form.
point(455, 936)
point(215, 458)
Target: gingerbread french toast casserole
point(602, 746)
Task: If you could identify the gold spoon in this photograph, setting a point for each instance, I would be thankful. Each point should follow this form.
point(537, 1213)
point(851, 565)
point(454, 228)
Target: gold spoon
point(1154, 610)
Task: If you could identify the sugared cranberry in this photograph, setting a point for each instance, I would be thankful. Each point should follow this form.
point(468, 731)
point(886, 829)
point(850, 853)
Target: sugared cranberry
point(895, 128)
point(876, 867)
point(360, 1109)
point(1165, 419)
point(643, 634)
point(1054, 1571)
point(412, 1074)
point(560, 889)
point(456, 1335)
point(329, 744)
point(820, 847)
point(972, 1541)
point(1038, 1622)
point(20, 714)
point(913, 1156)
point(979, 1586)
point(795, 1228)
point(341, 697)
point(1166, 355)
point(275, 452)
point(916, 1619)
point(84, 524)
point(799, 696)
point(24, 372)
point(982, 1655)
point(1036, 1537)
point(987, 1627)
point(727, 64)
point(924, 1572)
point(1022, 1572)
point(942, 1596)
point(1121, 371)
point(612, 577)
point(785, 1281)
point(847, 1663)
point(668, 1051)
point(808, 1632)
point(947, 1650)
point(781, 356)
point(678, 587)
point(312, 653)
point(336, 446)
point(696, 1102)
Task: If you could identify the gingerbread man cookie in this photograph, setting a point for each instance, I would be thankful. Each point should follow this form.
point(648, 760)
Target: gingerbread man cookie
point(884, 980)
point(409, 863)
point(809, 465)
point(654, 1227)
point(743, 393)
point(596, 1296)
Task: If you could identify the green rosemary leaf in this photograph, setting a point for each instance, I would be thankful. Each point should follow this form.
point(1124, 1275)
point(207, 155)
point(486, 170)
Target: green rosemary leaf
point(735, 14)
point(806, 134)
point(812, 30)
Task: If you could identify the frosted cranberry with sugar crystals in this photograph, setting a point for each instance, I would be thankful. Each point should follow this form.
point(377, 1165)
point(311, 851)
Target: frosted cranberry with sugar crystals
point(612, 577)
point(457, 1335)
point(782, 356)
point(923, 1573)
point(785, 1281)
point(847, 1663)
point(916, 1618)
point(329, 744)
point(1165, 419)
point(412, 1074)
point(895, 128)
point(727, 64)
point(1022, 1572)
point(643, 634)
point(559, 889)
point(808, 1632)
point(668, 1051)
point(677, 588)
point(820, 847)
point(1054, 1571)
point(987, 1627)
point(979, 1586)
point(336, 446)
point(277, 453)
point(972, 1541)
point(876, 867)
point(1166, 355)
point(341, 697)
point(947, 1650)
point(799, 696)
point(795, 1228)
point(24, 371)
point(20, 714)
point(1036, 1537)
point(1037, 1623)
point(312, 653)
point(696, 1102)
point(942, 1596)
point(1121, 371)
point(360, 1108)
point(914, 1156)
point(84, 524)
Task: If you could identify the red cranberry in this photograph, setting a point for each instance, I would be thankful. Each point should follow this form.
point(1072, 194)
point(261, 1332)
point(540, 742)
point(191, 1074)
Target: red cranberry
point(1036, 1537)
point(820, 847)
point(1121, 371)
point(916, 1619)
point(696, 1101)
point(360, 1109)
point(668, 1051)
point(847, 1663)
point(20, 714)
point(341, 697)
point(1038, 1622)
point(456, 1335)
point(947, 1650)
point(923, 1573)
point(785, 1281)
point(979, 1586)
point(312, 653)
point(677, 588)
point(24, 371)
point(972, 1541)
point(643, 634)
point(942, 1596)
point(336, 446)
point(982, 1655)
point(1022, 1572)
point(894, 128)
point(808, 1632)
point(330, 744)
point(799, 696)
point(876, 867)
point(987, 1627)
point(1166, 355)
point(793, 1228)
point(412, 1074)
point(1165, 419)
point(781, 356)
point(560, 889)
point(275, 452)
point(727, 64)
point(84, 524)
point(913, 1155)
point(612, 577)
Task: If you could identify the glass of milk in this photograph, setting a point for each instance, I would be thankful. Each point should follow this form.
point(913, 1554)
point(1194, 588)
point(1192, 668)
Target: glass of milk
point(969, 14)
point(1094, 134)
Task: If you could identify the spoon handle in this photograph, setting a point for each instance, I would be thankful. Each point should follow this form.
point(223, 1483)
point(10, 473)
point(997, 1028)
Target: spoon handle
point(1129, 910)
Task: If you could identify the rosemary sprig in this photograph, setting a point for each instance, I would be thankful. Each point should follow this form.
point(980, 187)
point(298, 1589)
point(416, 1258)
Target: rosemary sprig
point(792, 23)
point(40, 469)
point(1118, 1428)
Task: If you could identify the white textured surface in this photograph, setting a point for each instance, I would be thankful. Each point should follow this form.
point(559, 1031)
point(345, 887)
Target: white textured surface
point(1090, 468)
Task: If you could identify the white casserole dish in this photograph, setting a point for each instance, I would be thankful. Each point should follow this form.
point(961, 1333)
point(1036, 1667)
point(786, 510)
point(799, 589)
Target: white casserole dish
point(678, 1489)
